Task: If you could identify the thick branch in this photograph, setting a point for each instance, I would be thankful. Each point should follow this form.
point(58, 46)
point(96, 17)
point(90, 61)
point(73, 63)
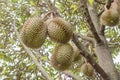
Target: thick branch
point(89, 58)
point(46, 75)
point(89, 20)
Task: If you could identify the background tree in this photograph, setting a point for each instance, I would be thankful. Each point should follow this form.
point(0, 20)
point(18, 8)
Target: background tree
point(19, 62)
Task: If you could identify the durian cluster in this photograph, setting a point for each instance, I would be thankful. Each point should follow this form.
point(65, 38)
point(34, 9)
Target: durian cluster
point(35, 30)
point(111, 16)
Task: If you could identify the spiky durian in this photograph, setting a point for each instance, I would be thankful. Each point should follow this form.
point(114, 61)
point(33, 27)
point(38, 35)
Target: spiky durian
point(59, 30)
point(87, 69)
point(110, 17)
point(33, 33)
point(62, 57)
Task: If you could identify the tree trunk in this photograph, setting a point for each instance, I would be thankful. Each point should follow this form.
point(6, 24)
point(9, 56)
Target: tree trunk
point(105, 61)
point(102, 51)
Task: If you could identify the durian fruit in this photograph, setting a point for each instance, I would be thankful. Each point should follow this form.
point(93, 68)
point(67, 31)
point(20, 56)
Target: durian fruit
point(34, 32)
point(110, 17)
point(59, 30)
point(62, 57)
point(87, 69)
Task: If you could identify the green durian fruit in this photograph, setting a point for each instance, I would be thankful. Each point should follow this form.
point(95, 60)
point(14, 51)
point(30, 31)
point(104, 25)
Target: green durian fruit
point(34, 32)
point(87, 69)
point(62, 57)
point(59, 30)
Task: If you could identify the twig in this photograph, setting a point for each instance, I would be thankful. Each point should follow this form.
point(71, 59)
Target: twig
point(46, 75)
point(100, 13)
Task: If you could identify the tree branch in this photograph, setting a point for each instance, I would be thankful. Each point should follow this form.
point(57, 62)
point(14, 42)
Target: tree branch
point(46, 75)
point(99, 14)
point(89, 20)
point(89, 58)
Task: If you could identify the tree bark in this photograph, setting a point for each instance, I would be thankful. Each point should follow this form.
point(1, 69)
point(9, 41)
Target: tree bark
point(105, 61)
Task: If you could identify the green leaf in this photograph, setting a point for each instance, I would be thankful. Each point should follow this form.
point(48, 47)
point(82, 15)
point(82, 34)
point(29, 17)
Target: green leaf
point(5, 58)
point(31, 67)
point(74, 7)
point(91, 1)
point(45, 58)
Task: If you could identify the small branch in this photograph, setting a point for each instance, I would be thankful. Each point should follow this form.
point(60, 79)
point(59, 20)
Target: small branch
point(99, 14)
point(46, 75)
point(71, 75)
point(89, 58)
point(86, 38)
